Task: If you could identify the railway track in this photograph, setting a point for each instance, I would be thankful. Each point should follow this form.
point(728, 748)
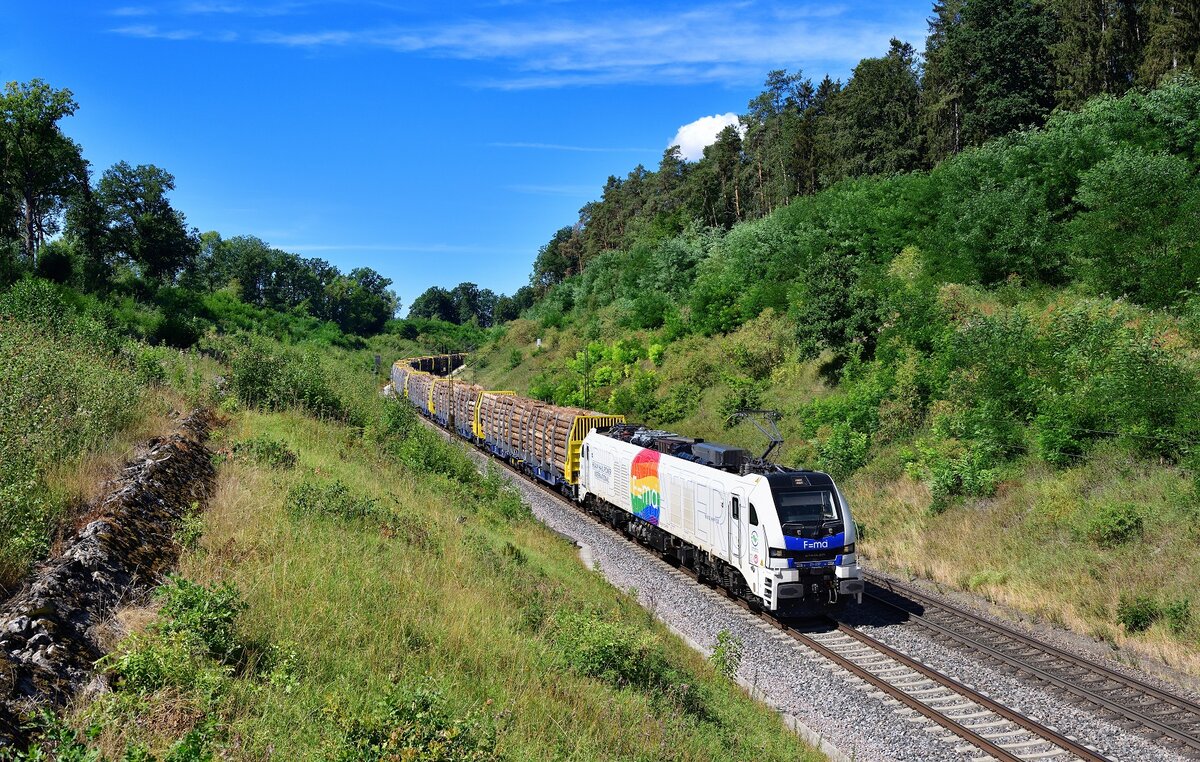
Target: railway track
point(966, 716)
point(1167, 719)
point(997, 732)
point(978, 722)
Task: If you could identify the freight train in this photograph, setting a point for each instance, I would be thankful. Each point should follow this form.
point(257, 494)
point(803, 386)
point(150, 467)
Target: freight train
point(781, 539)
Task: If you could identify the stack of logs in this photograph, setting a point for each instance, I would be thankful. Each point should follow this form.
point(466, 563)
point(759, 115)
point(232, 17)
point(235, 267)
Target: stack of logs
point(533, 431)
point(418, 388)
point(463, 398)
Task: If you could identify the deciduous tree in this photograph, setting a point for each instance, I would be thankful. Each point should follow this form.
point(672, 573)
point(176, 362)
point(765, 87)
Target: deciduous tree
point(40, 167)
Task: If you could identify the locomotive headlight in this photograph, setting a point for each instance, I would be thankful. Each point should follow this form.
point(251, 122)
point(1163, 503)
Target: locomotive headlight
point(778, 553)
point(848, 549)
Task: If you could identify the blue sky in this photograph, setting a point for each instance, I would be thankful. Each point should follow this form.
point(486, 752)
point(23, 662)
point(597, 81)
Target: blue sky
point(434, 143)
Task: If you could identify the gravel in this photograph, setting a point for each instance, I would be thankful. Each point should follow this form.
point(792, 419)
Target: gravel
point(854, 717)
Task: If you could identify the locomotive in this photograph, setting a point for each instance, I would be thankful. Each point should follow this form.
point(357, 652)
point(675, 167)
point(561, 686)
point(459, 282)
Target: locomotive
point(782, 539)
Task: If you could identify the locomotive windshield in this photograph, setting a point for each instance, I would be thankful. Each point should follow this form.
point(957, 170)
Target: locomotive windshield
point(806, 506)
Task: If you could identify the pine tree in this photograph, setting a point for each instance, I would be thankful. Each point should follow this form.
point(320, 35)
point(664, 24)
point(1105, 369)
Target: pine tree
point(1172, 39)
point(1098, 48)
point(876, 116)
point(941, 86)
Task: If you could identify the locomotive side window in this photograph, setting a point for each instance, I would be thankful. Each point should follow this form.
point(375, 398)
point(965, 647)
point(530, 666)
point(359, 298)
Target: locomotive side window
point(753, 516)
point(733, 507)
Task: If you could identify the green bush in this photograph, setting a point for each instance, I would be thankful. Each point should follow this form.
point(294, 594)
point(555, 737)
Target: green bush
point(744, 394)
point(1137, 612)
point(267, 375)
point(616, 653)
point(844, 451)
point(727, 655)
point(412, 723)
point(205, 616)
point(970, 473)
point(267, 451)
point(1115, 524)
point(149, 364)
point(311, 498)
point(146, 664)
point(1178, 614)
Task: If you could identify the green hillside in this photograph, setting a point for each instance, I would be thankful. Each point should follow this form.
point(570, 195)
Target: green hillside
point(996, 357)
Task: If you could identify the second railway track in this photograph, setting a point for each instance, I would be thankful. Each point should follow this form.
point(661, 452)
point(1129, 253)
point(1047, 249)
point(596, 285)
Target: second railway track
point(1166, 718)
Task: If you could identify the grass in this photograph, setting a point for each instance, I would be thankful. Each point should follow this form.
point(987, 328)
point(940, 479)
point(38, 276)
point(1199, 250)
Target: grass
point(443, 600)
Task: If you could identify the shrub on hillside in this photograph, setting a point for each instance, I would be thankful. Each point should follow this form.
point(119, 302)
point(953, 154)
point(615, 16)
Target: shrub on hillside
point(618, 654)
point(267, 452)
point(205, 615)
point(1137, 612)
point(312, 497)
point(726, 656)
point(844, 451)
point(1178, 614)
point(1115, 524)
point(412, 723)
point(267, 375)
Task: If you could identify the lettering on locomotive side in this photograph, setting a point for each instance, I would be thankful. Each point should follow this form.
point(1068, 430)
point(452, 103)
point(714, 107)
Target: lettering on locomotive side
point(603, 473)
point(814, 544)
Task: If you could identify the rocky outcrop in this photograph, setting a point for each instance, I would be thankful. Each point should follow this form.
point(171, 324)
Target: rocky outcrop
point(49, 629)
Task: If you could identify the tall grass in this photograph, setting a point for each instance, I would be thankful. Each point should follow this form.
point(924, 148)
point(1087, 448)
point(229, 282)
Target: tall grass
point(63, 391)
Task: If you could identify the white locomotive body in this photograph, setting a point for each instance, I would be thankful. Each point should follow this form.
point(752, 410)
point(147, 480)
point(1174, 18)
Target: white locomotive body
point(780, 539)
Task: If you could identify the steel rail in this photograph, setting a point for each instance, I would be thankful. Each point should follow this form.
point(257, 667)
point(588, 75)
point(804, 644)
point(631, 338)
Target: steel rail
point(958, 729)
point(1073, 685)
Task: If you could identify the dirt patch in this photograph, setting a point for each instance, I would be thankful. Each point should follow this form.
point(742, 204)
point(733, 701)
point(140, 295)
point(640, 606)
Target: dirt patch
point(51, 631)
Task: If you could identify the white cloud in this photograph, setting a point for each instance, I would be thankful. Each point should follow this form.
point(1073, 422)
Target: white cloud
point(693, 137)
point(151, 32)
point(131, 10)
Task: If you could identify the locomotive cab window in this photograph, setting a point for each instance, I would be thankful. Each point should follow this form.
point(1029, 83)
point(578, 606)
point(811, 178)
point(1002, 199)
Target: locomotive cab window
point(753, 516)
point(733, 507)
point(806, 506)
